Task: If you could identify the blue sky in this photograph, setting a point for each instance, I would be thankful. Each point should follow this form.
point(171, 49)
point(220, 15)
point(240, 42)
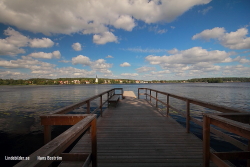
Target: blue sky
point(138, 39)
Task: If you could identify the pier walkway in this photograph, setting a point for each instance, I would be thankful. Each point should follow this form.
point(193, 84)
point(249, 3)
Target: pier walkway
point(135, 134)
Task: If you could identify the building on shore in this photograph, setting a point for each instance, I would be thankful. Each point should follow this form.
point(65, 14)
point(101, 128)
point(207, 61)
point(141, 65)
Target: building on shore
point(96, 79)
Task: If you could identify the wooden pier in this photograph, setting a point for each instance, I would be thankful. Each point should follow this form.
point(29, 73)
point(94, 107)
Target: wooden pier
point(135, 133)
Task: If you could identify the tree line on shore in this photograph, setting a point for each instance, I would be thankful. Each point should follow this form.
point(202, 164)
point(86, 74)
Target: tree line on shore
point(65, 81)
point(220, 80)
point(45, 81)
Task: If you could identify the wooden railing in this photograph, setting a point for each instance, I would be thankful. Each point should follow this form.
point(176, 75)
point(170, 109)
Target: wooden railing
point(235, 123)
point(109, 94)
point(186, 113)
point(65, 110)
point(53, 149)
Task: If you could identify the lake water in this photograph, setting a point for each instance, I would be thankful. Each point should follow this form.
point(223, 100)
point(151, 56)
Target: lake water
point(20, 107)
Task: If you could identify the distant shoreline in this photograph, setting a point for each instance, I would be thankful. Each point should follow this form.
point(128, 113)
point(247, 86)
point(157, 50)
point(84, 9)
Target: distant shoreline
point(119, 83)
point(79, 81)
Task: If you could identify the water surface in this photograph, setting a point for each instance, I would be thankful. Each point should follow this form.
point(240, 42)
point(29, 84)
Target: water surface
point(20, 107)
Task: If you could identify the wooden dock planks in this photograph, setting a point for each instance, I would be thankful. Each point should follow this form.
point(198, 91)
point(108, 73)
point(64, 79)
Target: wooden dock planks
point(129, 94)
point(135, 134)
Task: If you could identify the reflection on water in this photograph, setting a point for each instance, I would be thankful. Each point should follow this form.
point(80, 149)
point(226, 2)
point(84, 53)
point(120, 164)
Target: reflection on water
point(21, 106)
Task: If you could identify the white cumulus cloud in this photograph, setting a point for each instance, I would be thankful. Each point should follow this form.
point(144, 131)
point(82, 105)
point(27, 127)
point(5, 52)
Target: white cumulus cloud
point(104, 38)
point(197, 62)
point(237, 70)
point(98, 65)
point(39, 69)
point(125, 22)
point(190, 56)
point(90, 17)
point(77, 46)
point(12, 45)
point(242, 60)
point(26, 62)
point(125, 64)
point(80, 59)
point(41, 43)
point(56, 54)
point(43, 55)
point(232, 40)
point(173, 51)
point(236, 40)
point(216, 32)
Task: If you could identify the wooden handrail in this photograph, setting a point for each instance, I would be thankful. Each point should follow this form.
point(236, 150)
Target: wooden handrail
point(186, 114)
point(65, 110)
point(53, 149)
point(80, 122)
point(69, 108)
point(197, 102)
point(239, 128)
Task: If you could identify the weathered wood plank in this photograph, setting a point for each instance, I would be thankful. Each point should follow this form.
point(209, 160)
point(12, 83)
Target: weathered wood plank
point(74, 156)
point(233, 155)
point(59, 144)
point(135, 134)
point(129, 94)
point(231, 126)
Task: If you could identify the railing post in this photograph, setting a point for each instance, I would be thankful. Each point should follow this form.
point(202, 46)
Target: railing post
point(167, 105)
point(188, 116)
point(94, 143)
point(156, 97)
point(122, 94)
point(101, 104)
point(138, 93)
point(88, 107)
point(108, 98)
point(150, 95)
point(248, 148)
point(47, 133)
point(146, 92)
point(206, 141)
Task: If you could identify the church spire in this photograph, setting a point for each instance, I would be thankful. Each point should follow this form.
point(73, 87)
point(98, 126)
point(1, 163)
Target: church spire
point(96, 79)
